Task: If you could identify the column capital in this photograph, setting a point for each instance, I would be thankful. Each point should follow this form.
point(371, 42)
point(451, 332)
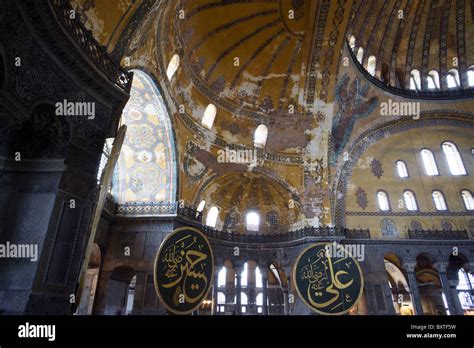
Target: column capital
point(409, 266)
point(440, 267)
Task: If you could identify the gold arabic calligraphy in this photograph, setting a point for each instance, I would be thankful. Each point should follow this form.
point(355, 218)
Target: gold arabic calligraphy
point(324, 284)
point(184, 264)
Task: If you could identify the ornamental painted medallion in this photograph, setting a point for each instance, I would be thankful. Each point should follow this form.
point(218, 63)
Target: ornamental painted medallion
point(183, 270)
point(328, 279)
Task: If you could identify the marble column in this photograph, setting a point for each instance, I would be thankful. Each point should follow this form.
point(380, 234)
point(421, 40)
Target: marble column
point(285, 301)
point(452, 299)
point(238, 290)
point(413, 284)
point(265, 292)
point(215, 290)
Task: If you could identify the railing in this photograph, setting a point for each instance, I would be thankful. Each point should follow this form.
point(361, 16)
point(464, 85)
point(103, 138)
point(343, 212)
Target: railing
point(318, 232)
point(437, 234)
point(95, 52)
point(408, 93)
point(357, 233)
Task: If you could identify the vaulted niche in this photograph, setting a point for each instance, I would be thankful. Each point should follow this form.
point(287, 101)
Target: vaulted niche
point(146, 168)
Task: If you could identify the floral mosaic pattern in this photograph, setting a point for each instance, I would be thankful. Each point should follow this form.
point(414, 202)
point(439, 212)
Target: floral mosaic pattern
point(361, 197)
point(376, 167)
point(146, 168)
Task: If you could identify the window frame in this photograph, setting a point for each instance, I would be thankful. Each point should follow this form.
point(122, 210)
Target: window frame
point(406, 169)
point(414, 198)
point(443, 198)
point(458, 153)
point(389, 208)
point(253, 211)
point(434, 161)
point(212, 208)
point(464, 202)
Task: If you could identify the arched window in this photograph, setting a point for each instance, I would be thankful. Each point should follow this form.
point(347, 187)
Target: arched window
point(433, 80)
point(470, 76)
point(212, 215)
point(244, 301)
point(220, 298)
point(146, 169)
point(222, 277)
point(209, 116)
point(467, 199)
point(439, 201)
point(201, 206)
point(352, 42)
point(410, 200)
point(453, 78)
point(252, 220)
point(455, 163)
point(258, 278)
point(465, 287)
point(172, 66)
point(360, 55)
point(402, 169)
point(260, 137)
point(130, 295)
point(259, 302)
point(245, 275)
point(382, 199)
point(415, 80)
point(272, 218)
point(429, 162)
point(372, 65)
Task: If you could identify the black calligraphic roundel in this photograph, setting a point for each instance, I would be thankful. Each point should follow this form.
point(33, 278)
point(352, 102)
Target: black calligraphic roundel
point(328, 279)
point(183, 270)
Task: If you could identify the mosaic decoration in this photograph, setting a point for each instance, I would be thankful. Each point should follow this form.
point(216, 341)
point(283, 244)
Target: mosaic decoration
point(353, 105)
point(446, 225)
point(183, 270)
point(146, 168)
point(376, 168)
point(192, 167)
point(388, 228)
point(416, 225)
point(328, 279)
point(361, 197)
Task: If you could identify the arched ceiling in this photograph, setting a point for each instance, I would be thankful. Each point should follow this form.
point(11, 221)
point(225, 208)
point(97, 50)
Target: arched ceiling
point(248, 53)
point(404, 35)
point(243, 192)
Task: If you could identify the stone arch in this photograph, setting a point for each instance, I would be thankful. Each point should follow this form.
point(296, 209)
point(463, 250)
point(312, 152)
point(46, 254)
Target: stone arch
point(398, 283)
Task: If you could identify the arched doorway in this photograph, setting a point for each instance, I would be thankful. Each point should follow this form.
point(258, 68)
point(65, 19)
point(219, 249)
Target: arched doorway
point(460, 275)
point(120, 291)
point(433, 300)
point(399, 287)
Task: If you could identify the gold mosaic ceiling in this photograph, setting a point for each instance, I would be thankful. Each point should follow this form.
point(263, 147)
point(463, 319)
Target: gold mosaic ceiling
point(246, 52)
point(239, 193)
point(414, 34)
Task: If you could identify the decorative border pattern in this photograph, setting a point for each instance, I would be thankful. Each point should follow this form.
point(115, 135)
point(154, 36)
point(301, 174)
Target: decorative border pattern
point(410, 213)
